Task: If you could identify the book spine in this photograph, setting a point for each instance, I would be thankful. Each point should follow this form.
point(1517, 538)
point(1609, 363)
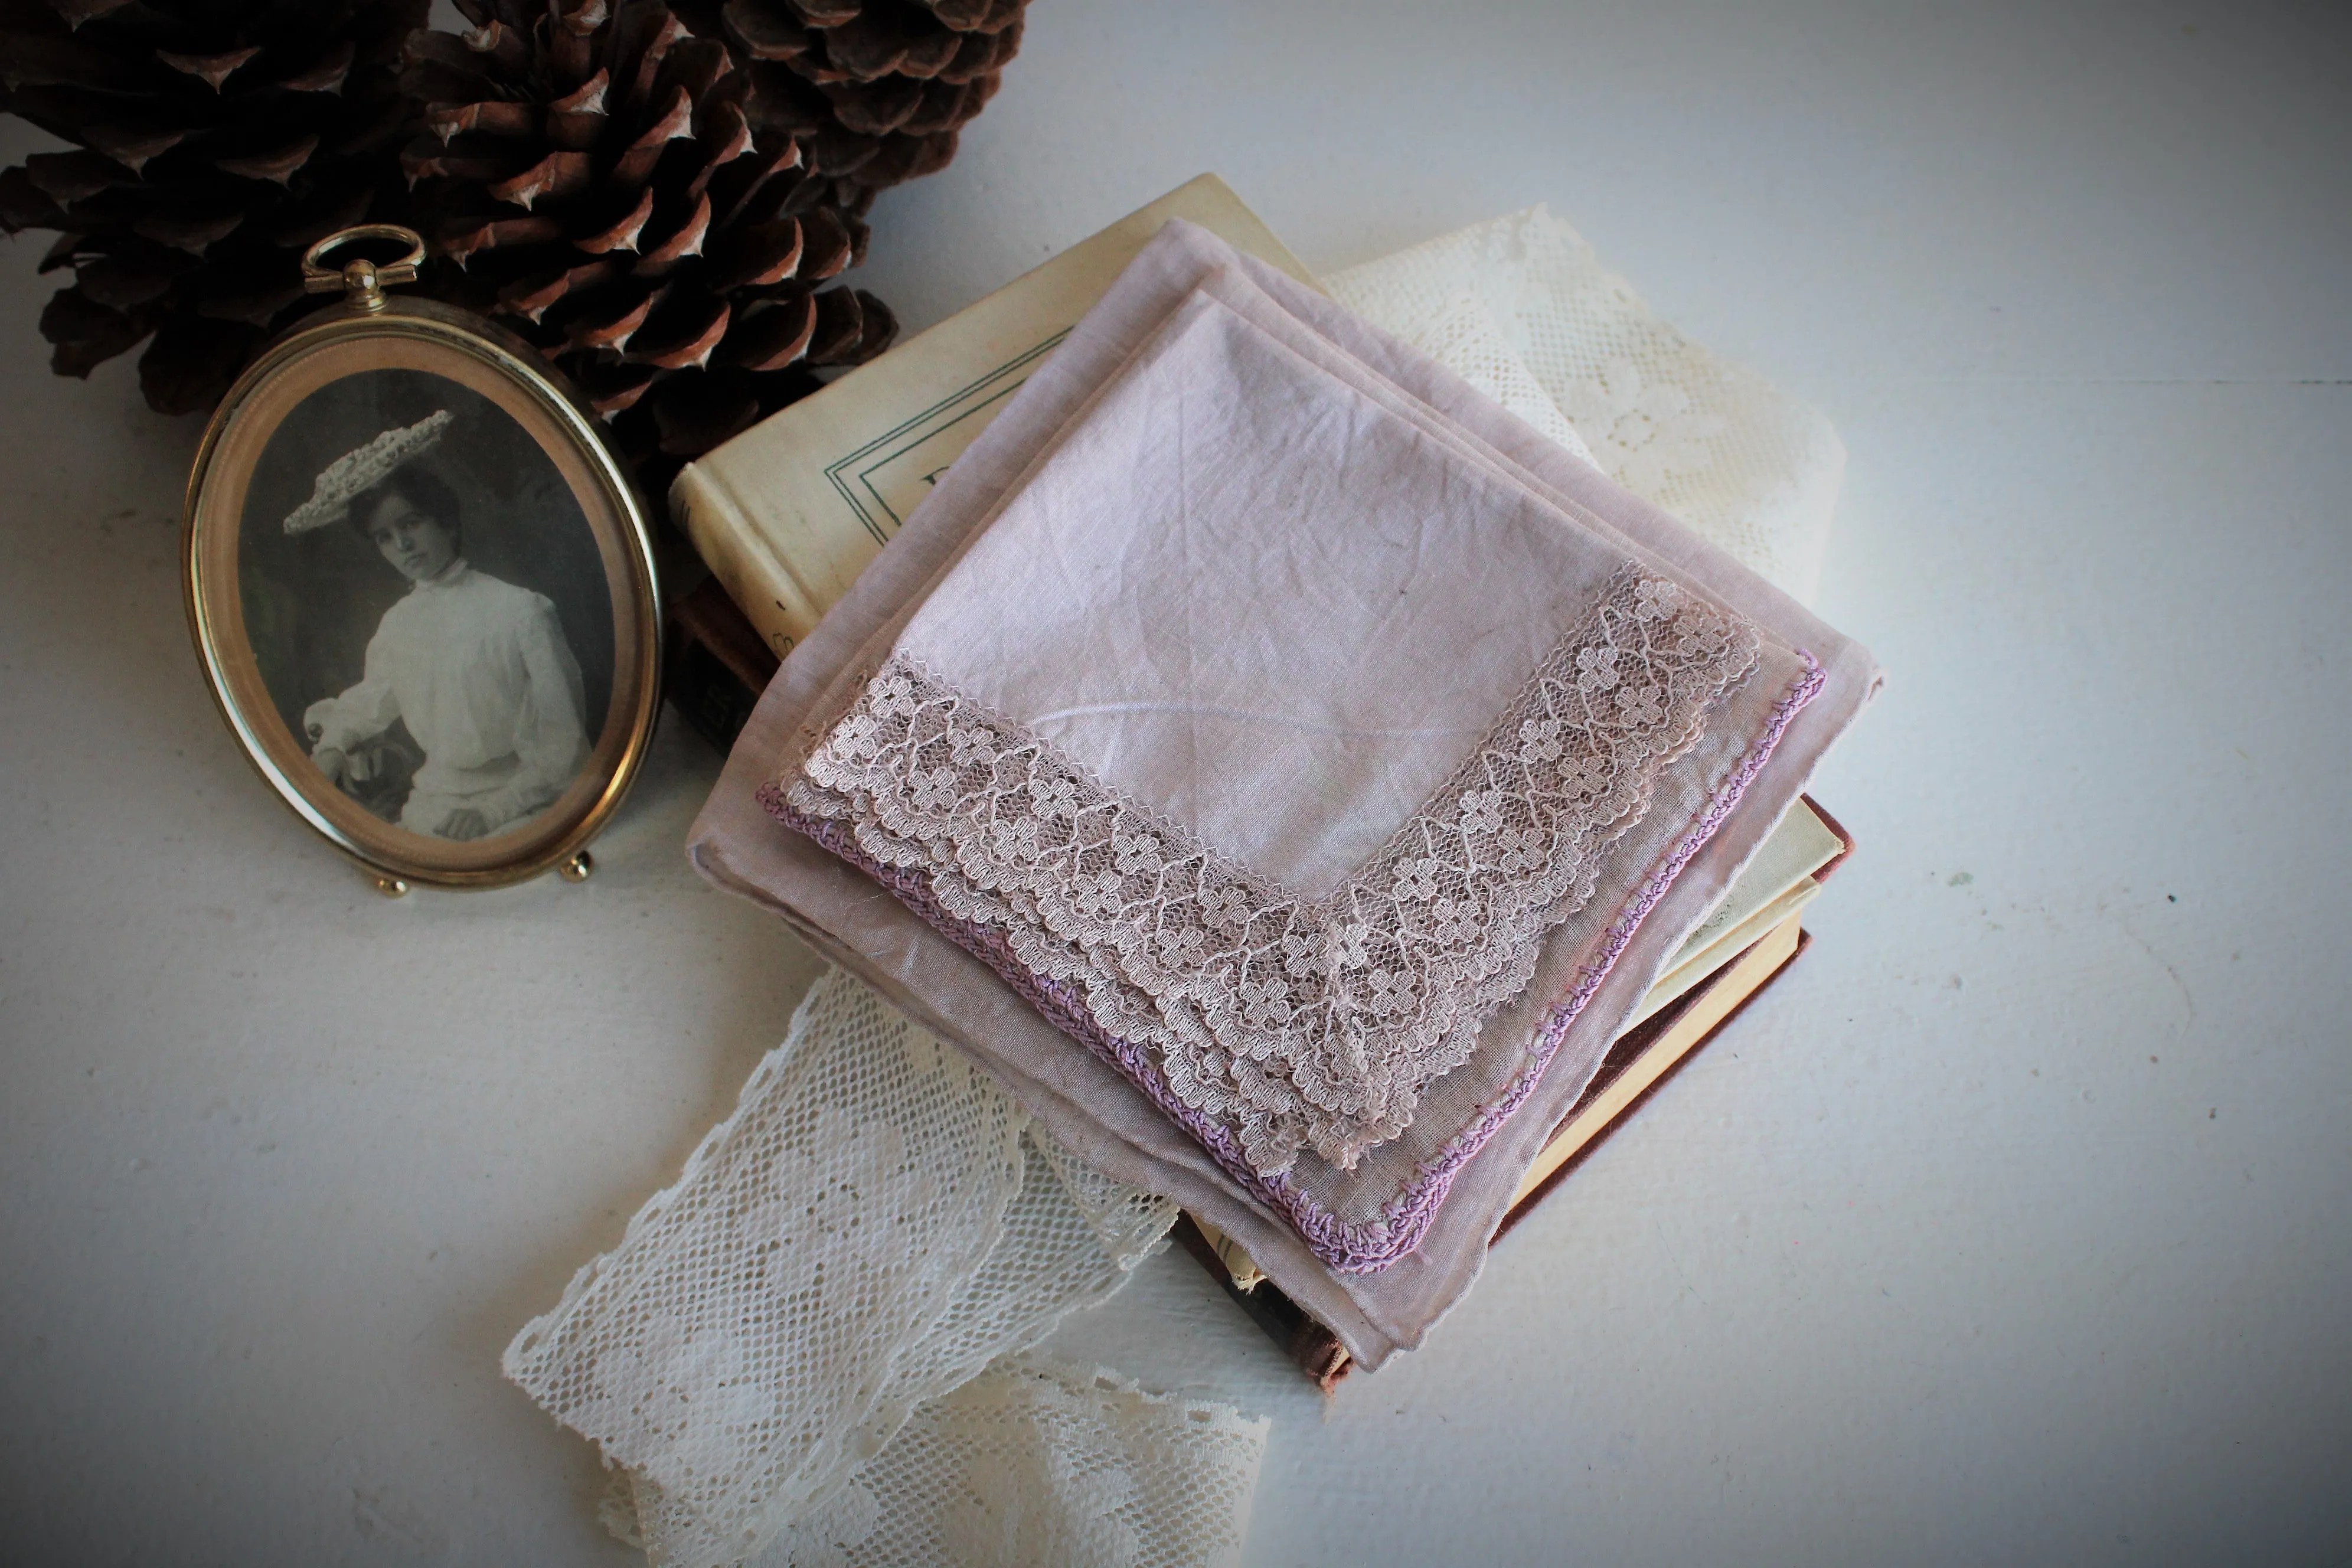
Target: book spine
point(772, 597)
point(1312, 1348)
point(717, 666)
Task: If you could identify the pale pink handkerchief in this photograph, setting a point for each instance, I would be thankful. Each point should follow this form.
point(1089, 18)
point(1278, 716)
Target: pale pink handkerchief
point(1283, 724)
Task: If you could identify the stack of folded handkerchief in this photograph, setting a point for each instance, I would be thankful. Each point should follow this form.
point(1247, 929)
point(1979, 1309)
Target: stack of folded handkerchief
point(1283, 768)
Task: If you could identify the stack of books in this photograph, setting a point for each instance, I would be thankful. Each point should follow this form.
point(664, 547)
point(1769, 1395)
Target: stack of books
point(788, 514)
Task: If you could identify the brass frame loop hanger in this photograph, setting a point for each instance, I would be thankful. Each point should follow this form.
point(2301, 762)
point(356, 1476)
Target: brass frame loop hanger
point(361, 280)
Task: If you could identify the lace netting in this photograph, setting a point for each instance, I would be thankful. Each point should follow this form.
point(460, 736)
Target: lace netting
point(1754, 469)
point(1295, 1023)
point(1034, 1463)
point(1459, 331)
point(876, 1223)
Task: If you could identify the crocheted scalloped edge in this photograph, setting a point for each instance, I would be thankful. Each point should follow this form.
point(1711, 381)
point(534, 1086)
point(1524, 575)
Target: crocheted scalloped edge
point(1346, 1247)
point(1304, 1024)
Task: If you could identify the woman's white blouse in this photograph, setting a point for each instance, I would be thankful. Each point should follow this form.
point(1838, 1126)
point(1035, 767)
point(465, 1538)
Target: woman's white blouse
point(479, 669)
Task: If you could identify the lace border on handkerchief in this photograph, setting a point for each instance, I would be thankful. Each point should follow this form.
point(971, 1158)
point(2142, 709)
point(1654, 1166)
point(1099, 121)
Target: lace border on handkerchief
point(1348, 1248)
point(1299, 1024)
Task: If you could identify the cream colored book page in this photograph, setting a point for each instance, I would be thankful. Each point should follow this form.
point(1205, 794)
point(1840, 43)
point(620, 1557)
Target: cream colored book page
point(1739, 982)
point(1690, 971)
point(1239, 1265)
point(789, 512)
point(1801, 846)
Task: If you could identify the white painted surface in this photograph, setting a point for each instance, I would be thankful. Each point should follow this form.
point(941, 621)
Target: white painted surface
point(2011, 1227)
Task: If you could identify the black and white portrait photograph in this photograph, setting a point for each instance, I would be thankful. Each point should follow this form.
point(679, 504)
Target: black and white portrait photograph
point(425, 603)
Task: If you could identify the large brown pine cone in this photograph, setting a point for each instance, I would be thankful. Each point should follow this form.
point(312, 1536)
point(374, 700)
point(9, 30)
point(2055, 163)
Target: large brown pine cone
point(215, 141)
point(590, 176)
point(875, 89)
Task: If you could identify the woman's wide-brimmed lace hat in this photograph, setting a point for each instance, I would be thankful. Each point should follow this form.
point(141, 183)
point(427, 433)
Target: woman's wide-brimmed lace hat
point(364, 467)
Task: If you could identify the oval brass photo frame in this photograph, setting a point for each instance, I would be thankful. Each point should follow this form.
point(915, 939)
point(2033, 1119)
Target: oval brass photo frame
point(423, 589)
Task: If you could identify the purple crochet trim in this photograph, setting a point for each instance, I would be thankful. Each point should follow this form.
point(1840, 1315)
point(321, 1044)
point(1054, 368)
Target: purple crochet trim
point(1347, 1247)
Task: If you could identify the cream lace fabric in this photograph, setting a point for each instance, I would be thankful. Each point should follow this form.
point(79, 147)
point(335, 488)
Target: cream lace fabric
point(1521, 300)
point(874, 1225)
point(1453, 326)
point(1295, 1023)
point(1033, 1463)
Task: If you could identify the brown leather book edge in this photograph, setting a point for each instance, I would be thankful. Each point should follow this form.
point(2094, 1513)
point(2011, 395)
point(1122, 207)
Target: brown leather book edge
point(707, 615)
point(716, 665)
point(1310, 1346)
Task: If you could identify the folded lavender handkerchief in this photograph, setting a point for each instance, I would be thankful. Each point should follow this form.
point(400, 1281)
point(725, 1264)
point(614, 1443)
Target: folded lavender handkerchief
point(1295, 735)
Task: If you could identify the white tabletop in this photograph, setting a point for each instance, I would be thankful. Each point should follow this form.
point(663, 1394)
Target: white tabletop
point(2011, 1225)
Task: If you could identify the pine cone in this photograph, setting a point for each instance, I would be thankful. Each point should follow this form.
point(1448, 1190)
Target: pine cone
point(215, 139)
point(592, 179)
point(875, 89)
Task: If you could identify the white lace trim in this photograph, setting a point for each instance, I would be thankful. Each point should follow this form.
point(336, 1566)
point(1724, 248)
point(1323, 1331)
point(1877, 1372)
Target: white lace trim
point(1752, 468)
point(1299, 1024)
point(1033, 1462)
point(874, 1225)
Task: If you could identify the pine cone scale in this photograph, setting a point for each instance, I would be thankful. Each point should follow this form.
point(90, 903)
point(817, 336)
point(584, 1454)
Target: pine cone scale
point(24, 204)
point(278, 165)
point(133, 278)
point(77, 12)
point(325, 74)
point(84, 333)
point(773, 338)
point(726, 137)
point(586, 100)
point(826, 13)
point(758, 256)
point(460, 241)
point(636, 166)
point(69, 177)
point(613, 329)
point(210, 70)
point(195, 230)
point(557, 176)
point(494, 118)
point(684, 241)
point(621, 235)
point(825, 245)
point(766, 32)
point(468, 158)
point(686, 338)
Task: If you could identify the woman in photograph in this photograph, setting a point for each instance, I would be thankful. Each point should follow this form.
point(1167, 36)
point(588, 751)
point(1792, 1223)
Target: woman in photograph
point(476, 667)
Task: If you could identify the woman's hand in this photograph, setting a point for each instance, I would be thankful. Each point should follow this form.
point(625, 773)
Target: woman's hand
point(464, 823)
point(332, 763)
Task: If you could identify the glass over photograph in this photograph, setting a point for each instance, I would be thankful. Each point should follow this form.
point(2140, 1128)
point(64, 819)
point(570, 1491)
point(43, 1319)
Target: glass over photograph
point(425, 603)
